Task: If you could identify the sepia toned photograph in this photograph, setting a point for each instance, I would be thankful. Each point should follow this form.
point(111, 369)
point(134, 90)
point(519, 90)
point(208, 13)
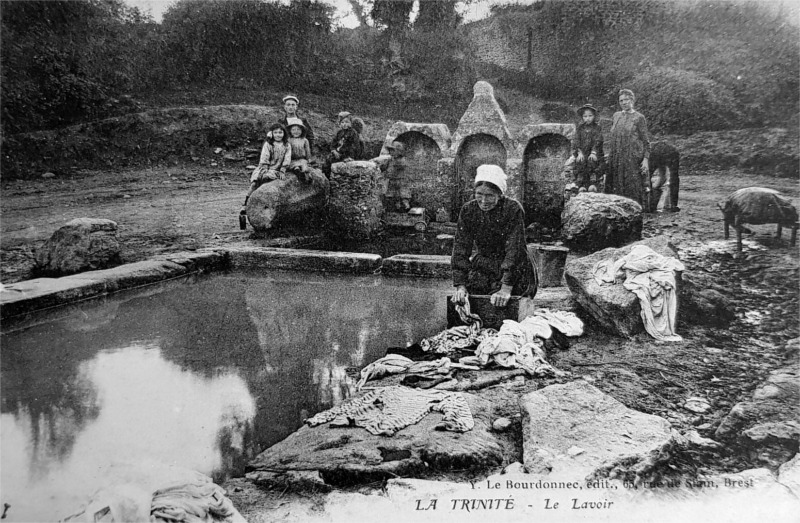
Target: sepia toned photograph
point(389, 261)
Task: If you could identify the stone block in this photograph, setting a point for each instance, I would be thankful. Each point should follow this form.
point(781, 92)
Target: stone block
point(426, 265)
point(268, 258)
point(41, 293)
point(559, 417)
point(354, 206)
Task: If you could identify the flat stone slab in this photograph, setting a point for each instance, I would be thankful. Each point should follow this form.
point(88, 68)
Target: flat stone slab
point(576, 428)
point(265, 258)
point(41, 293)
point(425, 265)
point(351, 455)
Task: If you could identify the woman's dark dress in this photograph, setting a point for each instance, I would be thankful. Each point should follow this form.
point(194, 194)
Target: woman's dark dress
point(630, 144)
point(500, 256)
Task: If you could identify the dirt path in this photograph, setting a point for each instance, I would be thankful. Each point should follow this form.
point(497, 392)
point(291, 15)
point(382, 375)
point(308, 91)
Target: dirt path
point(172, 209)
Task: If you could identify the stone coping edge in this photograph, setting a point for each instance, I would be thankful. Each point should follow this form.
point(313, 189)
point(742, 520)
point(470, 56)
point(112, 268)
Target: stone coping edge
point(42, 293)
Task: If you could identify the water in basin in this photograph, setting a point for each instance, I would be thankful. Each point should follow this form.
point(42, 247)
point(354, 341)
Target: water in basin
point(202, 373)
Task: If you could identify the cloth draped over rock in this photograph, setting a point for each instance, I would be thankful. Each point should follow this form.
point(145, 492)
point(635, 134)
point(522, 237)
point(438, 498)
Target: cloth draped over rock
point(387, 410)
point(651, 277)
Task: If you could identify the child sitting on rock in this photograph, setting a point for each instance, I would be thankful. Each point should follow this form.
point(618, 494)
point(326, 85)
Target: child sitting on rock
point(587, 149)
point(398, 195)
point(346, 145)
point(301, 149)
point(276, 155)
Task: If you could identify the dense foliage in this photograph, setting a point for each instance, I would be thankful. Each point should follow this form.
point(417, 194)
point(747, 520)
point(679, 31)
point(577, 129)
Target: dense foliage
point(738, 53)
point(699, 65)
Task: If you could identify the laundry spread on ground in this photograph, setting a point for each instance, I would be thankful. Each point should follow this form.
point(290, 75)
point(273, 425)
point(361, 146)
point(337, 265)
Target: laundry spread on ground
point(387, 410)
point(651, 277)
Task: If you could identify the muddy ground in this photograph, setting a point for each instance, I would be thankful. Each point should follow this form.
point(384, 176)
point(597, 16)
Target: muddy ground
point(184, 207)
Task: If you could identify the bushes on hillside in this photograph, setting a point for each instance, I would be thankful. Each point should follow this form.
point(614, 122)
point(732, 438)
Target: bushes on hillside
point(583, 51)
point(676, 101)
point(65, 61)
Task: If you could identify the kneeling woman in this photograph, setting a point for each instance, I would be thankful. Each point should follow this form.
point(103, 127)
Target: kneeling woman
point(492, 227)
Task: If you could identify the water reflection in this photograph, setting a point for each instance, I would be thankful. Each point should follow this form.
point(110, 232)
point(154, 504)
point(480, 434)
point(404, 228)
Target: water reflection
point(147, 408)
point(203, 373)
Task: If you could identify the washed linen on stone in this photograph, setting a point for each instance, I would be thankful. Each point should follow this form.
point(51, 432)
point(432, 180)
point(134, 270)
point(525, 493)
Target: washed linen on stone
point(651, 277)
point(387, 410)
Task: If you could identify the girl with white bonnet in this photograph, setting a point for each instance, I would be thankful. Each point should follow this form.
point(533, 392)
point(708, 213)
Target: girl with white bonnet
point(492, 226)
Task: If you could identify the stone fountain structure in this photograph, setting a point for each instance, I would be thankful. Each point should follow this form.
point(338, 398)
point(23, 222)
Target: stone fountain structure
point(441, 168)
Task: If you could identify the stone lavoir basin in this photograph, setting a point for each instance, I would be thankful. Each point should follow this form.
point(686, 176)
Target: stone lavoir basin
point(204, 371)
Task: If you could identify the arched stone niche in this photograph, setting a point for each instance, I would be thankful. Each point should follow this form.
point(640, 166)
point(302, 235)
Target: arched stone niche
point(475, 150)
point(422, 155)
point(543, 162)
point(437, 132)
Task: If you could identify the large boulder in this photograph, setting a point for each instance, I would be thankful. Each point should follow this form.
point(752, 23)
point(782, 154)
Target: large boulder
point(287, 199)
point(615, 308)
point(592, 221)
point(82, 244)
point(354, 206)
point(351, 455)
point(575, 429)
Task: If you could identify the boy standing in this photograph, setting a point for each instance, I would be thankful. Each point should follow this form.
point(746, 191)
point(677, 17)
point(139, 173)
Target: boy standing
point(587, 149)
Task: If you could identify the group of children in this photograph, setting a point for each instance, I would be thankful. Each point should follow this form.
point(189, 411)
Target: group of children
point(288, 149)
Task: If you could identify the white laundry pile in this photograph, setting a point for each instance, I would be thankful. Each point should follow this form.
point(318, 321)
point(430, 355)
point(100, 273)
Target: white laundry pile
point(566, 322)
point(387, 410)
point(651, 277)
point(453, 339)
point(155, 493)
point(518, 345)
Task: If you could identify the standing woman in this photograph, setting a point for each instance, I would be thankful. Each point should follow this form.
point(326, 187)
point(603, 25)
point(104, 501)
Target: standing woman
point(492, 226)
point(629, 152)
